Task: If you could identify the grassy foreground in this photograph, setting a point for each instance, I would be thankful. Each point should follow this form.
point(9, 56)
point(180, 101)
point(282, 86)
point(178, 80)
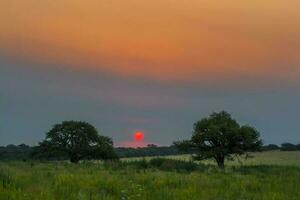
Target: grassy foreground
point(269, 180)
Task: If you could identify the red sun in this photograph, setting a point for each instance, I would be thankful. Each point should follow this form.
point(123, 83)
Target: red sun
point(138, 136)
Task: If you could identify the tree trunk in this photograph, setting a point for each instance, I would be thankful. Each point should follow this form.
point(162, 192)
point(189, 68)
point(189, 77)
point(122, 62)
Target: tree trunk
point(220, 160)
point(74, 159)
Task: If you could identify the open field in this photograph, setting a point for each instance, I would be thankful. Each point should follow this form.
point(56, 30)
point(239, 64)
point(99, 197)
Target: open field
point(268, 176)
point(283, 158)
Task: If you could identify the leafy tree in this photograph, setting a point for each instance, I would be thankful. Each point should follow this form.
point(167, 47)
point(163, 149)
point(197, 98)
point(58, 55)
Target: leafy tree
point(219, 137)
point(76, 140)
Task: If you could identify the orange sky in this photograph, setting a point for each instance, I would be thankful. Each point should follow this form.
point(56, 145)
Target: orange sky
point(160, 40)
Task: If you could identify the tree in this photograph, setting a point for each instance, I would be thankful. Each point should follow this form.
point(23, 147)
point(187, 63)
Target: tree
point(288, 147)
point(270, 147)
point(76, 140)
point(219, 137)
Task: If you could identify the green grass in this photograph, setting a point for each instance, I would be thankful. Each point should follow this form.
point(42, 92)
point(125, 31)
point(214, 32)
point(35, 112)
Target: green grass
point(283, 158)
point(268, 176)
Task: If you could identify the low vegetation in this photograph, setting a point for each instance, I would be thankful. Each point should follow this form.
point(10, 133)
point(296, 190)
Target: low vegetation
point(23, 152)
point(154, 178)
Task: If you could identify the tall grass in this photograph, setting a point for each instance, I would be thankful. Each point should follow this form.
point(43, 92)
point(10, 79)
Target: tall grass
point(157, 179)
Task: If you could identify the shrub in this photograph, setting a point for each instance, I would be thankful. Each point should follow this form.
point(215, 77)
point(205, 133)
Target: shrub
point(164, 164)
point(173, 165)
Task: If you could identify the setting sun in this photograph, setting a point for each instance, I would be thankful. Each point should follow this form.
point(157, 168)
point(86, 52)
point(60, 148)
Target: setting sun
point(138, 136)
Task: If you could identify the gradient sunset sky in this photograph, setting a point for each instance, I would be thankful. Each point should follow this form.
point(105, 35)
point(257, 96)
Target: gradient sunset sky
point(150, 66)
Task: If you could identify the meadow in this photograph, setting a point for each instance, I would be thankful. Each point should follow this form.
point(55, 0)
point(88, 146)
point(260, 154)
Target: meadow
point(273, 175)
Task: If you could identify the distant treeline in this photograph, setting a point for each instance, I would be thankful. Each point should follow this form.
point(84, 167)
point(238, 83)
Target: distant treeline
point(25, 152)
point(150, 150)
point(284, 147)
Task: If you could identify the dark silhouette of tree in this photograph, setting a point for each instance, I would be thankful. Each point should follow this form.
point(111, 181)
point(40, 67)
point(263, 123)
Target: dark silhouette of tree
point(270, 147)
point(288, 147)
point(219, 137)
point(76, 140)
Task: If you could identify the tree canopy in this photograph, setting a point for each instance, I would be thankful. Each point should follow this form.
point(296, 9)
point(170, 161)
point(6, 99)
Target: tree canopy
point(76, 140)
point(219, 137)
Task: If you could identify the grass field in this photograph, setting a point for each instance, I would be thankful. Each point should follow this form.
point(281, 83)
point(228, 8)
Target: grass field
point(268, 176)
point(283, 158)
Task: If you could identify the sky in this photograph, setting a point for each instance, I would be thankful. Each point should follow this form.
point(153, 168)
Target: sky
point(150, 66)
